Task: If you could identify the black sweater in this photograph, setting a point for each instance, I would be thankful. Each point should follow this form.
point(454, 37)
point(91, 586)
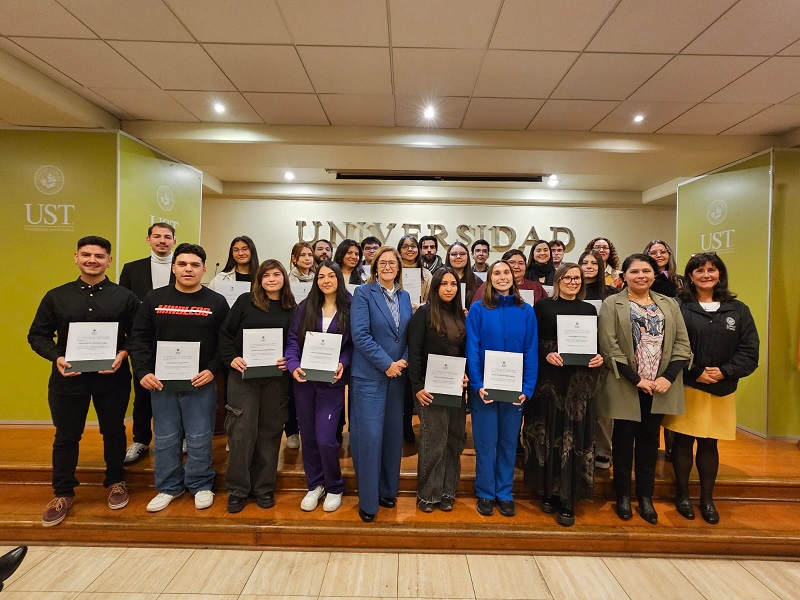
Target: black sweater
point(726, 339)
point(244, 315)
point(167, 314)
point(424, 340)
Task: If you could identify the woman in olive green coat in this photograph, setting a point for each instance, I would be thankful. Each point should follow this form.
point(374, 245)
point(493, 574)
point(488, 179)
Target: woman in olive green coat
point(645, 346)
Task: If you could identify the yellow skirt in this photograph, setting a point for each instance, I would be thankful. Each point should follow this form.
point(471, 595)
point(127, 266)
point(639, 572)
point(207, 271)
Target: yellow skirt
point(706, 416)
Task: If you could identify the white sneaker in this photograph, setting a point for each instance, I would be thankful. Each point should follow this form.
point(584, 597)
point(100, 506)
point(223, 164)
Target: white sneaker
point(161, 501)
point(332, 502)
point(135, 452)
point(312, 498)
point(203, 499)
point(293, 441)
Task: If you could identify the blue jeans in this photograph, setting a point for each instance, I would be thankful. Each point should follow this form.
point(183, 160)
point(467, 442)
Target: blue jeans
point(177, 415)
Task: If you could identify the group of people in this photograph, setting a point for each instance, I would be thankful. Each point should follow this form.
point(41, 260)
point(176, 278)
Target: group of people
point(657, 360)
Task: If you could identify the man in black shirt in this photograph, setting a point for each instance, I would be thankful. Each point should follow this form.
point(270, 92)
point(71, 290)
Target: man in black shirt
point(183, 312)
point(429, 246)
point(91, 298)
point(141, 276)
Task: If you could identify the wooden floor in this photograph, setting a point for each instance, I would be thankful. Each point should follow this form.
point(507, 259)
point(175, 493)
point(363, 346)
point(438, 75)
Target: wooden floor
point(758, 490)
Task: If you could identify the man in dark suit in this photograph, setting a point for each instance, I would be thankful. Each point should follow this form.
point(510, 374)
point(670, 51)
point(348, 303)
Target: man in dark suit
point(141, 276)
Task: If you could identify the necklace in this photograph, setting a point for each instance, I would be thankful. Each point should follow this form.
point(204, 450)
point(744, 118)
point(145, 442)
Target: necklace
point(647, 299)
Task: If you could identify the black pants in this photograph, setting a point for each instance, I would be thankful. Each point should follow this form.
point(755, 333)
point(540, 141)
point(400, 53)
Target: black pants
point(640, 438)
point(69, 417)
point(291, 427)
point(441, 441)
point(142, 414)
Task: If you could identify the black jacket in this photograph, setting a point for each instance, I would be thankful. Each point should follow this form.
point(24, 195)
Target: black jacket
point(422, 341)
point(137, 277)
point(726, 339)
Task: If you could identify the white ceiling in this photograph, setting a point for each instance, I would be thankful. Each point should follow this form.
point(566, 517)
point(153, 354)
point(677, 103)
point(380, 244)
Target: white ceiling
point(723, 68)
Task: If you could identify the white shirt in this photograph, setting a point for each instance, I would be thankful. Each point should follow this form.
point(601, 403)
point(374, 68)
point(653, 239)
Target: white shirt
point(160, 270)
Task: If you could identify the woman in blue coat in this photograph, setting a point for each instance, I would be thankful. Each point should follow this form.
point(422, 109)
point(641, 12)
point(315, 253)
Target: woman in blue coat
point(500, 321)
point(379, 317)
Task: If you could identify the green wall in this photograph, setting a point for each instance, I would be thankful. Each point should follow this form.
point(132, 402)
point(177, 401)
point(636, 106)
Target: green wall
point(784, 304)
point(728, 212)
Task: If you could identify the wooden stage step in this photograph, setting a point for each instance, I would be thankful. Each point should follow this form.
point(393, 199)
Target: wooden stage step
point(758, 493)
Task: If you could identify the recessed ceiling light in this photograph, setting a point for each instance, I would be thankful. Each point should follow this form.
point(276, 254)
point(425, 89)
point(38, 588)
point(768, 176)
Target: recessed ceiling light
point(429, 112)
point(553, 181)
point(219, 108)
point(638, 118)
point(288, 176)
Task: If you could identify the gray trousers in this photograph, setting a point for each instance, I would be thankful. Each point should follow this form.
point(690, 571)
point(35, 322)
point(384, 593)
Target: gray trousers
point(257, 410)
point(441, 441)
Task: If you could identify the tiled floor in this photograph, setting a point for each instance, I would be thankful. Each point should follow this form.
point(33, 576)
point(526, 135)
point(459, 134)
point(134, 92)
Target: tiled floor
point(83, 573)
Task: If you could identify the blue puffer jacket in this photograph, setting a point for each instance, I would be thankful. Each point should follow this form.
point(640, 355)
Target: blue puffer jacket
point(509, 327)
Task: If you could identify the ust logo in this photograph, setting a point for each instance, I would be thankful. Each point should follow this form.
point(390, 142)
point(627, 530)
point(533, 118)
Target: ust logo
point(49, 217)
point(165, 198)
point(717, 241)
point(48, 179)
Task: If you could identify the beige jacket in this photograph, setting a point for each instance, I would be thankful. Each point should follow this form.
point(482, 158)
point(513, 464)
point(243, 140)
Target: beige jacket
point(617, 398)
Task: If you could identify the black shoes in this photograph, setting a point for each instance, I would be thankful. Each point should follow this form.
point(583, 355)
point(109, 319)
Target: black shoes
point(236, 504)
point(10, 561)
point(387, 502)
point(684, 508)
point(647, 511)
point(485, 507)
point(266, 500)
point(550, 505)
point(623, 507)
point(566, 516)
point(446, 504)
point(709, 512)
point(425, 506)
point(506, 508)
point(365, 516)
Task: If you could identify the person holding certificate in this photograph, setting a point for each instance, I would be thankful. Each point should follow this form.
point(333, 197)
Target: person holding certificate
point(438, 328)
point(379, 319)
point(724, 340)
point(645, 346)
point(174, 350)
point(559, 420)
point(72, 314)
point(256, 407)
point(241, 265)
point(321, 403)
point(500, 321)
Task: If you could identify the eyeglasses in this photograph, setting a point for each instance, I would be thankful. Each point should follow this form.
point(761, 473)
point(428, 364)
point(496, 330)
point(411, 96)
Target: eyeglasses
point(516, 263)
point(458, 254)
point(570, 279)
point(387, 263)
point(658, 252)
point(596, 247)
point(370, 248)
point(408, 247)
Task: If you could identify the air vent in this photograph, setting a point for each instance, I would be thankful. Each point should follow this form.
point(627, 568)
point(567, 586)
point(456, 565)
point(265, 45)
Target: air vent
point(433, 176)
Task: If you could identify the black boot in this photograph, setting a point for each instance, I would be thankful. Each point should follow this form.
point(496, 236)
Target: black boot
point(623, 507)
point(646, 510)
point(10, 561)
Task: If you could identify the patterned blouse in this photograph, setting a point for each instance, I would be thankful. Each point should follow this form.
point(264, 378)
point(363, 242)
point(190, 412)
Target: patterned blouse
point(647, 325)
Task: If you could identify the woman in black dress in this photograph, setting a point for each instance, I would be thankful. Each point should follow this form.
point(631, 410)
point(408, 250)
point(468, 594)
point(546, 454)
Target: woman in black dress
point(559, 445)
point(667, 281)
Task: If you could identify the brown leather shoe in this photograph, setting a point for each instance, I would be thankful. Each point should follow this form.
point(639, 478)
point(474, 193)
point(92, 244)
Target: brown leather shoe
point(118, 496)
point(57, 510)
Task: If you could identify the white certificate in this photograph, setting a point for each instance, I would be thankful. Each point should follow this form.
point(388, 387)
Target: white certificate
point(232, 289)
point(548, 290)
point(177, 361)
point(445, 374)
point(481, 275)
point(91, 346)
point(412, 283)
point(262, 347)
point(596, 303)
point(577, 334)
point(503, 371)
point(351, 287)
point(527, 295)
point(300, 289)
point(321, 355)
point(463, 294)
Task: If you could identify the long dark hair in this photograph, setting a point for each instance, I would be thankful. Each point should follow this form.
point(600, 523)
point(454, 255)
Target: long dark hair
point(439, 306)
point(534, 270)
point(341, 251)
point(312, 305)
point(613, 257)
point(490, 296)
point(231, 264)
point(470, 279)
point(672, 268)
point(259, 296)
point(688, 293)
point(419, 251)
point(597, 288)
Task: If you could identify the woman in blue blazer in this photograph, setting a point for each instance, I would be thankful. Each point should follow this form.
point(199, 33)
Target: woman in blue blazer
point(502, 321)
point(379, 317)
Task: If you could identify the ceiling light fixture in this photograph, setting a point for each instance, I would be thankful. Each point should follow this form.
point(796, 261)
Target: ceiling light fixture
point(288, 176)
point(638, 118)
point(429, 112)
point(553, 181)
point(219, 108)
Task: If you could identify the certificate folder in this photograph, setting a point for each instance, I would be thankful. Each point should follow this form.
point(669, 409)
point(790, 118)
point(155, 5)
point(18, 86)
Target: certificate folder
point(577, 359)
point(447, 400)
point(178, 385)
point(259, 372)
point(319, 375)
point(89, 366)
point(503, 395)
